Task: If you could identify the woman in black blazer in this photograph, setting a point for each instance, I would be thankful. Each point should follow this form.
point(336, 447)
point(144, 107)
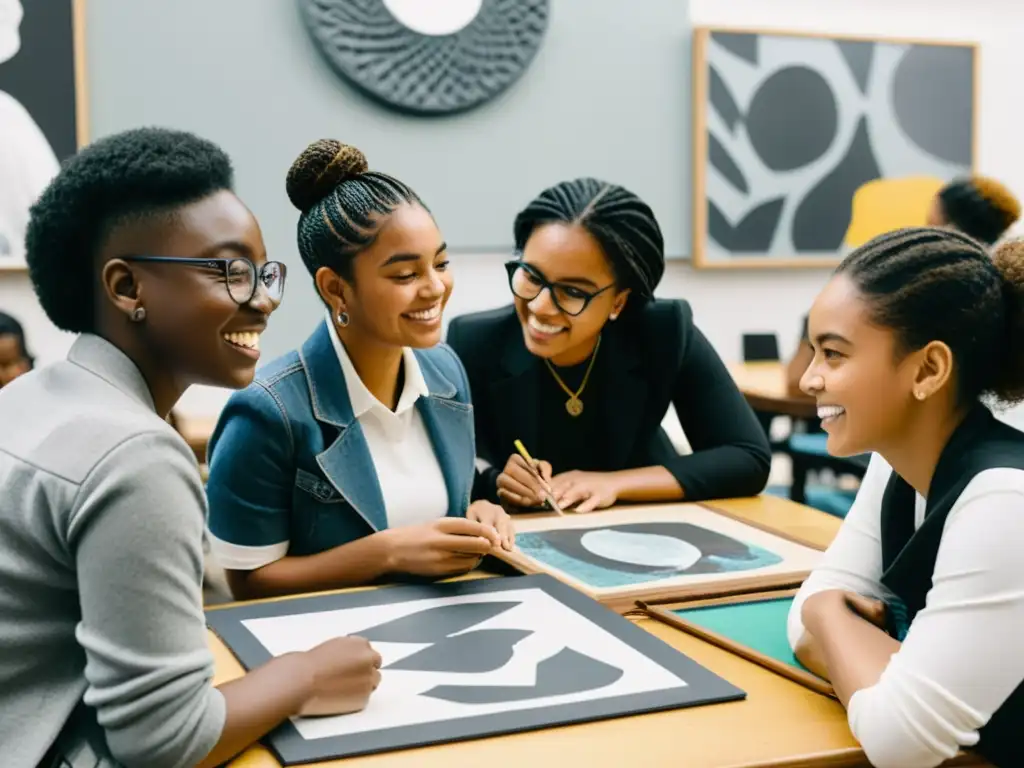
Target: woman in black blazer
point(583, 366)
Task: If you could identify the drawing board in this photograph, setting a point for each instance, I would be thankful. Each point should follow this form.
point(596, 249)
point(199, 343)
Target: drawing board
point(467, 660)
point(657, 553)
point(752, 626)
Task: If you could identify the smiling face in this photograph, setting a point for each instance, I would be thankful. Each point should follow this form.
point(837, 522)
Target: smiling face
point(400, 284)
point(568, 255)
point(192, 325)
point(863, 387)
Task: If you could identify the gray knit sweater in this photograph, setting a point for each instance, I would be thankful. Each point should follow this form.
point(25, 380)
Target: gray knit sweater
point(102, 514)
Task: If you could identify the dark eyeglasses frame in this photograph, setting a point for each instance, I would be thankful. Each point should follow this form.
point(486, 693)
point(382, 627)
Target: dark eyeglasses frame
point(513, 266)
point(222, 265)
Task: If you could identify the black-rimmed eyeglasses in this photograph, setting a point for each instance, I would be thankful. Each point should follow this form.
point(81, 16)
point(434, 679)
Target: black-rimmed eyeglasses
point(527, 283)
point(241, 276)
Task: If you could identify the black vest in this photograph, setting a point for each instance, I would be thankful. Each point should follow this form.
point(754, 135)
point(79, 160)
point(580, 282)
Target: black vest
point(908, 557)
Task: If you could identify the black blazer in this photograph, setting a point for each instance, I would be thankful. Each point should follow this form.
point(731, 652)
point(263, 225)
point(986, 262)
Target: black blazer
point(653, 358)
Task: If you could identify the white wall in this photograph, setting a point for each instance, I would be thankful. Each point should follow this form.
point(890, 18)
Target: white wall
point(730, 302)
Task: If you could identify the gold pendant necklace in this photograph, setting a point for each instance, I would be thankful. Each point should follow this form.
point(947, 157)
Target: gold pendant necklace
point(574, 406)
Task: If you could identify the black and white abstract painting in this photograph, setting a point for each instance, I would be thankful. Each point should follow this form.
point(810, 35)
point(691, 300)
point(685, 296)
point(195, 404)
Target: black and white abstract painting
point(468, 660)
point(808, 146)
point(40, 109)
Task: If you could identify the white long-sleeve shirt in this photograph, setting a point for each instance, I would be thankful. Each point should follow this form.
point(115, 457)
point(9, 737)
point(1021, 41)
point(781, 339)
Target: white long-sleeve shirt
point(962, 656)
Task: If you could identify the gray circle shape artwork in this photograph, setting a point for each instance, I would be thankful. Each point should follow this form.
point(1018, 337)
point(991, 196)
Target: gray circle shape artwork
point(792, 118)
point(427, 74)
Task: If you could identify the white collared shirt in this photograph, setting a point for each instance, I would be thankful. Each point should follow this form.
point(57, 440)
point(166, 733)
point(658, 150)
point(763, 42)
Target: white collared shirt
point(961, 658)
point(408, 471)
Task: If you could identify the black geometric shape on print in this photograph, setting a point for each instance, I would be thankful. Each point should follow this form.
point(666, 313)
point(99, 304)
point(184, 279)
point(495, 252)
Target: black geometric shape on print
point(933, 99)
point(566, 672)
point(722, 161)
point(743, 45)
point(823, 216)
point(483, 650)
point(858, 55)
point(792, 119)
point(719, 228)
point(433, 624)
point(722, 101)
point(719, 552)
point(754, 232)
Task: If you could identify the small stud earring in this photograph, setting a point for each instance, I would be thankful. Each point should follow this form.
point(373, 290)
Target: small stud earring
point(139, 314)
point(919, 395)
point(614, 317)
point(343, 319)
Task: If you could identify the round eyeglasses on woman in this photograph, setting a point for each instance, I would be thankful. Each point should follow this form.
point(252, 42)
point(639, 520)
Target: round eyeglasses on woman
point(527, 282)
point(241, 276)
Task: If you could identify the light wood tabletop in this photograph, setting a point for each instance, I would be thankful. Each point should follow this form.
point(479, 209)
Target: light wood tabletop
point(780, 723)
point(764, 385)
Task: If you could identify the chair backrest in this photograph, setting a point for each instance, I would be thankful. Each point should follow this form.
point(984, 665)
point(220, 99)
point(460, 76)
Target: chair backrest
point(760, 347)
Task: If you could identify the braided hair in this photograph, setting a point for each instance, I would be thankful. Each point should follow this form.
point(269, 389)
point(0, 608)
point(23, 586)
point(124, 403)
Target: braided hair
point(936, 284)
point(622, 223)
point(980, 206)
point(343, 204)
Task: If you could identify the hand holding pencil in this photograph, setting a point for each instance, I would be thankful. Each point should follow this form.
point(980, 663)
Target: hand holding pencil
point(525, 483)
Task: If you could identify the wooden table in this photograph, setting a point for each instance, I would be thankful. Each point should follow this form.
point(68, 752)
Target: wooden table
point(780, 724)
point(764, 385)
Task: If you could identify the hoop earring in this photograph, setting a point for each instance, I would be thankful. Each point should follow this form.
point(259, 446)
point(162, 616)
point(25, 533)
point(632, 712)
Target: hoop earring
point(343, 319)
point(139, 314)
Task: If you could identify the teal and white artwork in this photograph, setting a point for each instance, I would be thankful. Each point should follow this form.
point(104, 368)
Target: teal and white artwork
point(631, 551)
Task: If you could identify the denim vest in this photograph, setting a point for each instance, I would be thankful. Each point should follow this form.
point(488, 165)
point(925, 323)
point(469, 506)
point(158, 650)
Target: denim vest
point(288, 460)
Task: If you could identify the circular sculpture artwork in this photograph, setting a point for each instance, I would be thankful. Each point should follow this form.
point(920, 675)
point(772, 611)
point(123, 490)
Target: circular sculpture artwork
point(428, 57)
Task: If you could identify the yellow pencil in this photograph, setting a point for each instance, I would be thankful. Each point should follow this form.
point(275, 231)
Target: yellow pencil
point(536, 473)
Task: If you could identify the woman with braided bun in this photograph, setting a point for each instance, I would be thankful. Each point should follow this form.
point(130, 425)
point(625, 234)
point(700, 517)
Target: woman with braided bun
point(584, 364)
point(352, 458)
point(916, 612)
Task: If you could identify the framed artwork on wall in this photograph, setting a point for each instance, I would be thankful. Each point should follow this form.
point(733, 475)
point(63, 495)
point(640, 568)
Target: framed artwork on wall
point(658, 553)
point(43, 107)
point(806, 146)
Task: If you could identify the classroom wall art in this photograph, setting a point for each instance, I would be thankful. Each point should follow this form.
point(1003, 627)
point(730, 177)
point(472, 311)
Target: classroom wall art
point(403, 53)
point(806, 146)
point(42, 107)
point(654, 553)
point(467, 660)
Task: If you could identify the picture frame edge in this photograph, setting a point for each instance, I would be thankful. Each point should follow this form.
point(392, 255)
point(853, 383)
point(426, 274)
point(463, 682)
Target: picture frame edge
point(806, 679)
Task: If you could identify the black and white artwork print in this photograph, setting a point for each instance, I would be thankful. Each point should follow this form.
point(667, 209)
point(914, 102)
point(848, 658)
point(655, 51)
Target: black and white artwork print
point(471, 659)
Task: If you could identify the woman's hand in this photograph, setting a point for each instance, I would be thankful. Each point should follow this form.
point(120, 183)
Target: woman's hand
point(519, 487)
point(584, 491)
point(442, 547)
point(820, 606)
point(491, 514)
point(343, 672)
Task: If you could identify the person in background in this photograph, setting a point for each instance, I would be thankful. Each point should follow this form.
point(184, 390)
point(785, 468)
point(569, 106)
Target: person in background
point(978, 206)
point(352, 458)
point(584, 364)
point(15, 359)
point(916, 612)
point(140, 247)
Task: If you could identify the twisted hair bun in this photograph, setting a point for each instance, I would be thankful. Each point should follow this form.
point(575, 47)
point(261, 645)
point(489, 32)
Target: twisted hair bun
point(321, 167)
point(1009, 260)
